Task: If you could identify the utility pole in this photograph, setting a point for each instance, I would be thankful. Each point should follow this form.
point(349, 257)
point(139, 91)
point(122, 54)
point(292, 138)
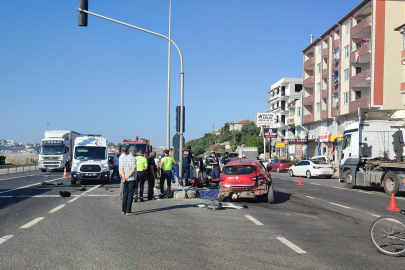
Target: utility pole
point(168, 83)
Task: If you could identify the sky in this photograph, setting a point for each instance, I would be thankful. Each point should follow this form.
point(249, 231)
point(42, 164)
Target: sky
point(110, 79)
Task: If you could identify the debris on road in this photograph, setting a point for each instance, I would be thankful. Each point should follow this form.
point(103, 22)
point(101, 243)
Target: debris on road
point(219, 206)
point(64, 193)
point(51, 184)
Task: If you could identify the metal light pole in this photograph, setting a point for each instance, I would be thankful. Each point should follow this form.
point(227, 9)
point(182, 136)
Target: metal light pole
point(168, 83)
point(181, 72)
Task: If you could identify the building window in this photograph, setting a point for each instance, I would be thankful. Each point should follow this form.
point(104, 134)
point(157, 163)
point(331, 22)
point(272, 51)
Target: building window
point(336, 54)
point(346, 74)
point(319, 68)
point(346, 98)
point(335, 100)
point(347, 28)
point(298, 87)
point(347, 51)
point(358, 95)
point(318, 107)
point(358, 70)
point(318, 88)
point(299, 111)
point(336, 77)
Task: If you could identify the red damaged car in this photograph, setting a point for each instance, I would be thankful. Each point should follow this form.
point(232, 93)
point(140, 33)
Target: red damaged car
point(279, 165)
point(245, 178)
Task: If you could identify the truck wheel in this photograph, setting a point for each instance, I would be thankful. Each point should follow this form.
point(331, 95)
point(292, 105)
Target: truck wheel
point(270, 195)
point(72, 181)
point(390, 184)
point(348, 177)
point(278, 169)
point(43, 170)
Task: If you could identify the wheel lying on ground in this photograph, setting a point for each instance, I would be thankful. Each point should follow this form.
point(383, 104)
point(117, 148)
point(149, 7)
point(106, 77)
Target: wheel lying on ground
point(388, 236)
point(72, 181)
point(308, 174)
point(270, 195)
point(390, 184)
point(291, 173)
point(348, 177)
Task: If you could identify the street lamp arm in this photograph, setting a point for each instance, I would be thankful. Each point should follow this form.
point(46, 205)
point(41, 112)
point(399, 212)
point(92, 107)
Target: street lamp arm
point(181, 73)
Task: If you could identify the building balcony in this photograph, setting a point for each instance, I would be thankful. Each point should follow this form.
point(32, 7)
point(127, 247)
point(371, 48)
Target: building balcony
point(309, 118)
point(324, 93)
point(402, 88)
point(362, 79)
point(360, 103)
point(308, 82)
point(309, 64)
point(365, 53)
point(362, 29)
point(325, 52)
point(308, 100)
point(325, 73)
point(403, 57)
point(336, 44)
point(291, 105)
point(334, 111)
point(324, 114)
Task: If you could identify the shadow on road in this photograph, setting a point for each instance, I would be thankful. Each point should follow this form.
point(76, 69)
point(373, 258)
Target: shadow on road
point(166, 208)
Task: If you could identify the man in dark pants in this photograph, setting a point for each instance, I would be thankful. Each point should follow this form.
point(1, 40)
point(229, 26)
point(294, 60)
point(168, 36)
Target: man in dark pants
point(116, 166)
point(187, 160)
point(151, 175)
point(215, 166)
point(128, 173)
point(141, 166)
point(166, 167)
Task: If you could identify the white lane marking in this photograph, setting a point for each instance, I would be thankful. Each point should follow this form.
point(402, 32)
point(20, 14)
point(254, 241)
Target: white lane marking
point(57, 208)
point(5, 238)
point(374, 215)
point(29, 185)
point(90, 190)
point(282, 178)
point(291, 245)
point(19, 177)
point(231, 204)
point(31, 223)
point(366, 192)
point(315, 184)
point(339, 187)
point(255, 221)
point(347, 207)
point(399, 198)
point(310, 197)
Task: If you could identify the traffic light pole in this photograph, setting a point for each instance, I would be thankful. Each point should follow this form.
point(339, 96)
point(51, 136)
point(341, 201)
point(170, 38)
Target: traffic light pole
point(181, 74)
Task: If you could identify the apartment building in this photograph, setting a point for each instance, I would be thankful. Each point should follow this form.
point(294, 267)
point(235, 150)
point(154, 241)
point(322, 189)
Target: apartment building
point(354, 64)
point(401, 30)
point(282, 100)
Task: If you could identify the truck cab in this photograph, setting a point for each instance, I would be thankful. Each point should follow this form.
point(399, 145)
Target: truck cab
point(90, 159)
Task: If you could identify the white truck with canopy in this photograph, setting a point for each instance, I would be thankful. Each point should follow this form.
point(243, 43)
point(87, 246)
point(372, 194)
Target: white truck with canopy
point(90, 159)
point(373, 151)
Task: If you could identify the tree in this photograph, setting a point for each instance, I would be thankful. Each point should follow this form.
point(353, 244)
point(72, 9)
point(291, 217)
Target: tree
point(119, 147)
point(254, 141)
point(111, 144)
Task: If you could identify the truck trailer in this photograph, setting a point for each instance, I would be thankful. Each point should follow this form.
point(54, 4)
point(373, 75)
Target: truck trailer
point(373, 154)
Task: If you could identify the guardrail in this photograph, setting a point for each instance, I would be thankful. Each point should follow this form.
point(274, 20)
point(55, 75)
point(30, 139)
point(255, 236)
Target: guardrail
point(8, 167)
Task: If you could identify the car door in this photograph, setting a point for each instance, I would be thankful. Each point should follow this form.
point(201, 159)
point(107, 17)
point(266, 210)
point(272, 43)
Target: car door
point(297, 169)
point(306, 166)
point(273, 164)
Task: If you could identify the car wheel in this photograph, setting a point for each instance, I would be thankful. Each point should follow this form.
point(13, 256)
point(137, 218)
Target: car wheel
point(291, 173)
point(270, 195)
point(278, 169)
point(348, 177)
point(308, 174)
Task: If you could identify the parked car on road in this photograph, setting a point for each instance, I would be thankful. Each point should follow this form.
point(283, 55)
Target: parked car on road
point(321, 158)
point(245, 178)
point(310, 168)
point(279, 165)
point(266, 161)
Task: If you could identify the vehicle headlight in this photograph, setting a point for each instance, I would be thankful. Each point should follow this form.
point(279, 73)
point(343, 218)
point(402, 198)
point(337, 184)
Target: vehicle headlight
point(106, 165)
point(75, 165)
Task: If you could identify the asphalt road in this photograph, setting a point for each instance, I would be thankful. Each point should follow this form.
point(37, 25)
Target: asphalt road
point(320, 225)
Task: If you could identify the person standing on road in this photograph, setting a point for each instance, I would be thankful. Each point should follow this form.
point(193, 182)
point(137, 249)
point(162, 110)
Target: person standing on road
point(116, 165)
point(128, 173)
point(175, 166)
point(226, 159)
point(142, 166)
point(192, 166)
point(151, 175)
point(215, 166)
point(187, 159)
point(201, 167)
point(124, 151)
point(166, 167)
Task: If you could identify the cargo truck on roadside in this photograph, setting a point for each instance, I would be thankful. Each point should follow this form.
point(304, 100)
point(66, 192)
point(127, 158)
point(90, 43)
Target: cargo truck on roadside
point(55, 148)
point(90, 159)
point(373, 153)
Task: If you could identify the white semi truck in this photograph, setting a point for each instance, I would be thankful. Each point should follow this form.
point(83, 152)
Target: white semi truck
point(90, 159)
point(373, 152)
point(55, 148)
point(247, 152)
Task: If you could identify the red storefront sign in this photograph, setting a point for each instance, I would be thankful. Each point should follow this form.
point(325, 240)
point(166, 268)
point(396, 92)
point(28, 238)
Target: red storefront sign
point(324, 138)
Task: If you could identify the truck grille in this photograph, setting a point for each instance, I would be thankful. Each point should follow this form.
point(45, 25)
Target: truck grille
point(90, 168)
point(51, 158)
point(50, 164)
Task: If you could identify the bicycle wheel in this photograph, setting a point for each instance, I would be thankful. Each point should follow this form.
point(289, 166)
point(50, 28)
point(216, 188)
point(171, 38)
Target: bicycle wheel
point(388, 235)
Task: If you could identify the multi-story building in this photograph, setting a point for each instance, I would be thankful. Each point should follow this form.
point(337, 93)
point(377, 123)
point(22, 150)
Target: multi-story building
point(401, 30)
point(354, 64)
point(281, 101)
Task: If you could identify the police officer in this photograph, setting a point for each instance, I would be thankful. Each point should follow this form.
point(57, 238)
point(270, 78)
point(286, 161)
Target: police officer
point(187, 160)
point(141, 166)
point(215, 166)
point(225, 159)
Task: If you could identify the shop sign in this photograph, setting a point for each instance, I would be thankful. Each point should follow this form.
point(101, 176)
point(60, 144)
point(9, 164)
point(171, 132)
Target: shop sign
point(296, 141)
point(270, 132)
point(264, 119)
point(280, 145)
point(324, 138)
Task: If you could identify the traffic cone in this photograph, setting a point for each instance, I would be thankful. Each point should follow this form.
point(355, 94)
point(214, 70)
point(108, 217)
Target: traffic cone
point(393, 205)
point(65, 175)
point(300, 182)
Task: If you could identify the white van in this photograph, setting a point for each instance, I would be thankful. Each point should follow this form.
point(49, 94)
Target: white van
point(90, 159)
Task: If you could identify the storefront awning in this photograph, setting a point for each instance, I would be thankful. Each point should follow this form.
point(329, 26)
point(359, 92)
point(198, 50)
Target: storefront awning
point(339, 137)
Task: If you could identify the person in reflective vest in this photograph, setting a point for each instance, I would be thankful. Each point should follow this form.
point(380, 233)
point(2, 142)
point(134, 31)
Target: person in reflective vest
point(187, 160)
point(208, 167)
point(225, 159)
point(141, 167)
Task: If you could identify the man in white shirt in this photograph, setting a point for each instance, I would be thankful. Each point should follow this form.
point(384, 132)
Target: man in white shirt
point(124, 151)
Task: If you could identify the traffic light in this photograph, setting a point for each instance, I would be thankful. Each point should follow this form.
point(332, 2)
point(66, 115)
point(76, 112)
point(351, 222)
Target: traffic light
point(84, 5)
point(178, 118)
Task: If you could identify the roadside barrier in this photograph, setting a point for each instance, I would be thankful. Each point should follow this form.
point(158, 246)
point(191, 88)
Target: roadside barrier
point(8, 167)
